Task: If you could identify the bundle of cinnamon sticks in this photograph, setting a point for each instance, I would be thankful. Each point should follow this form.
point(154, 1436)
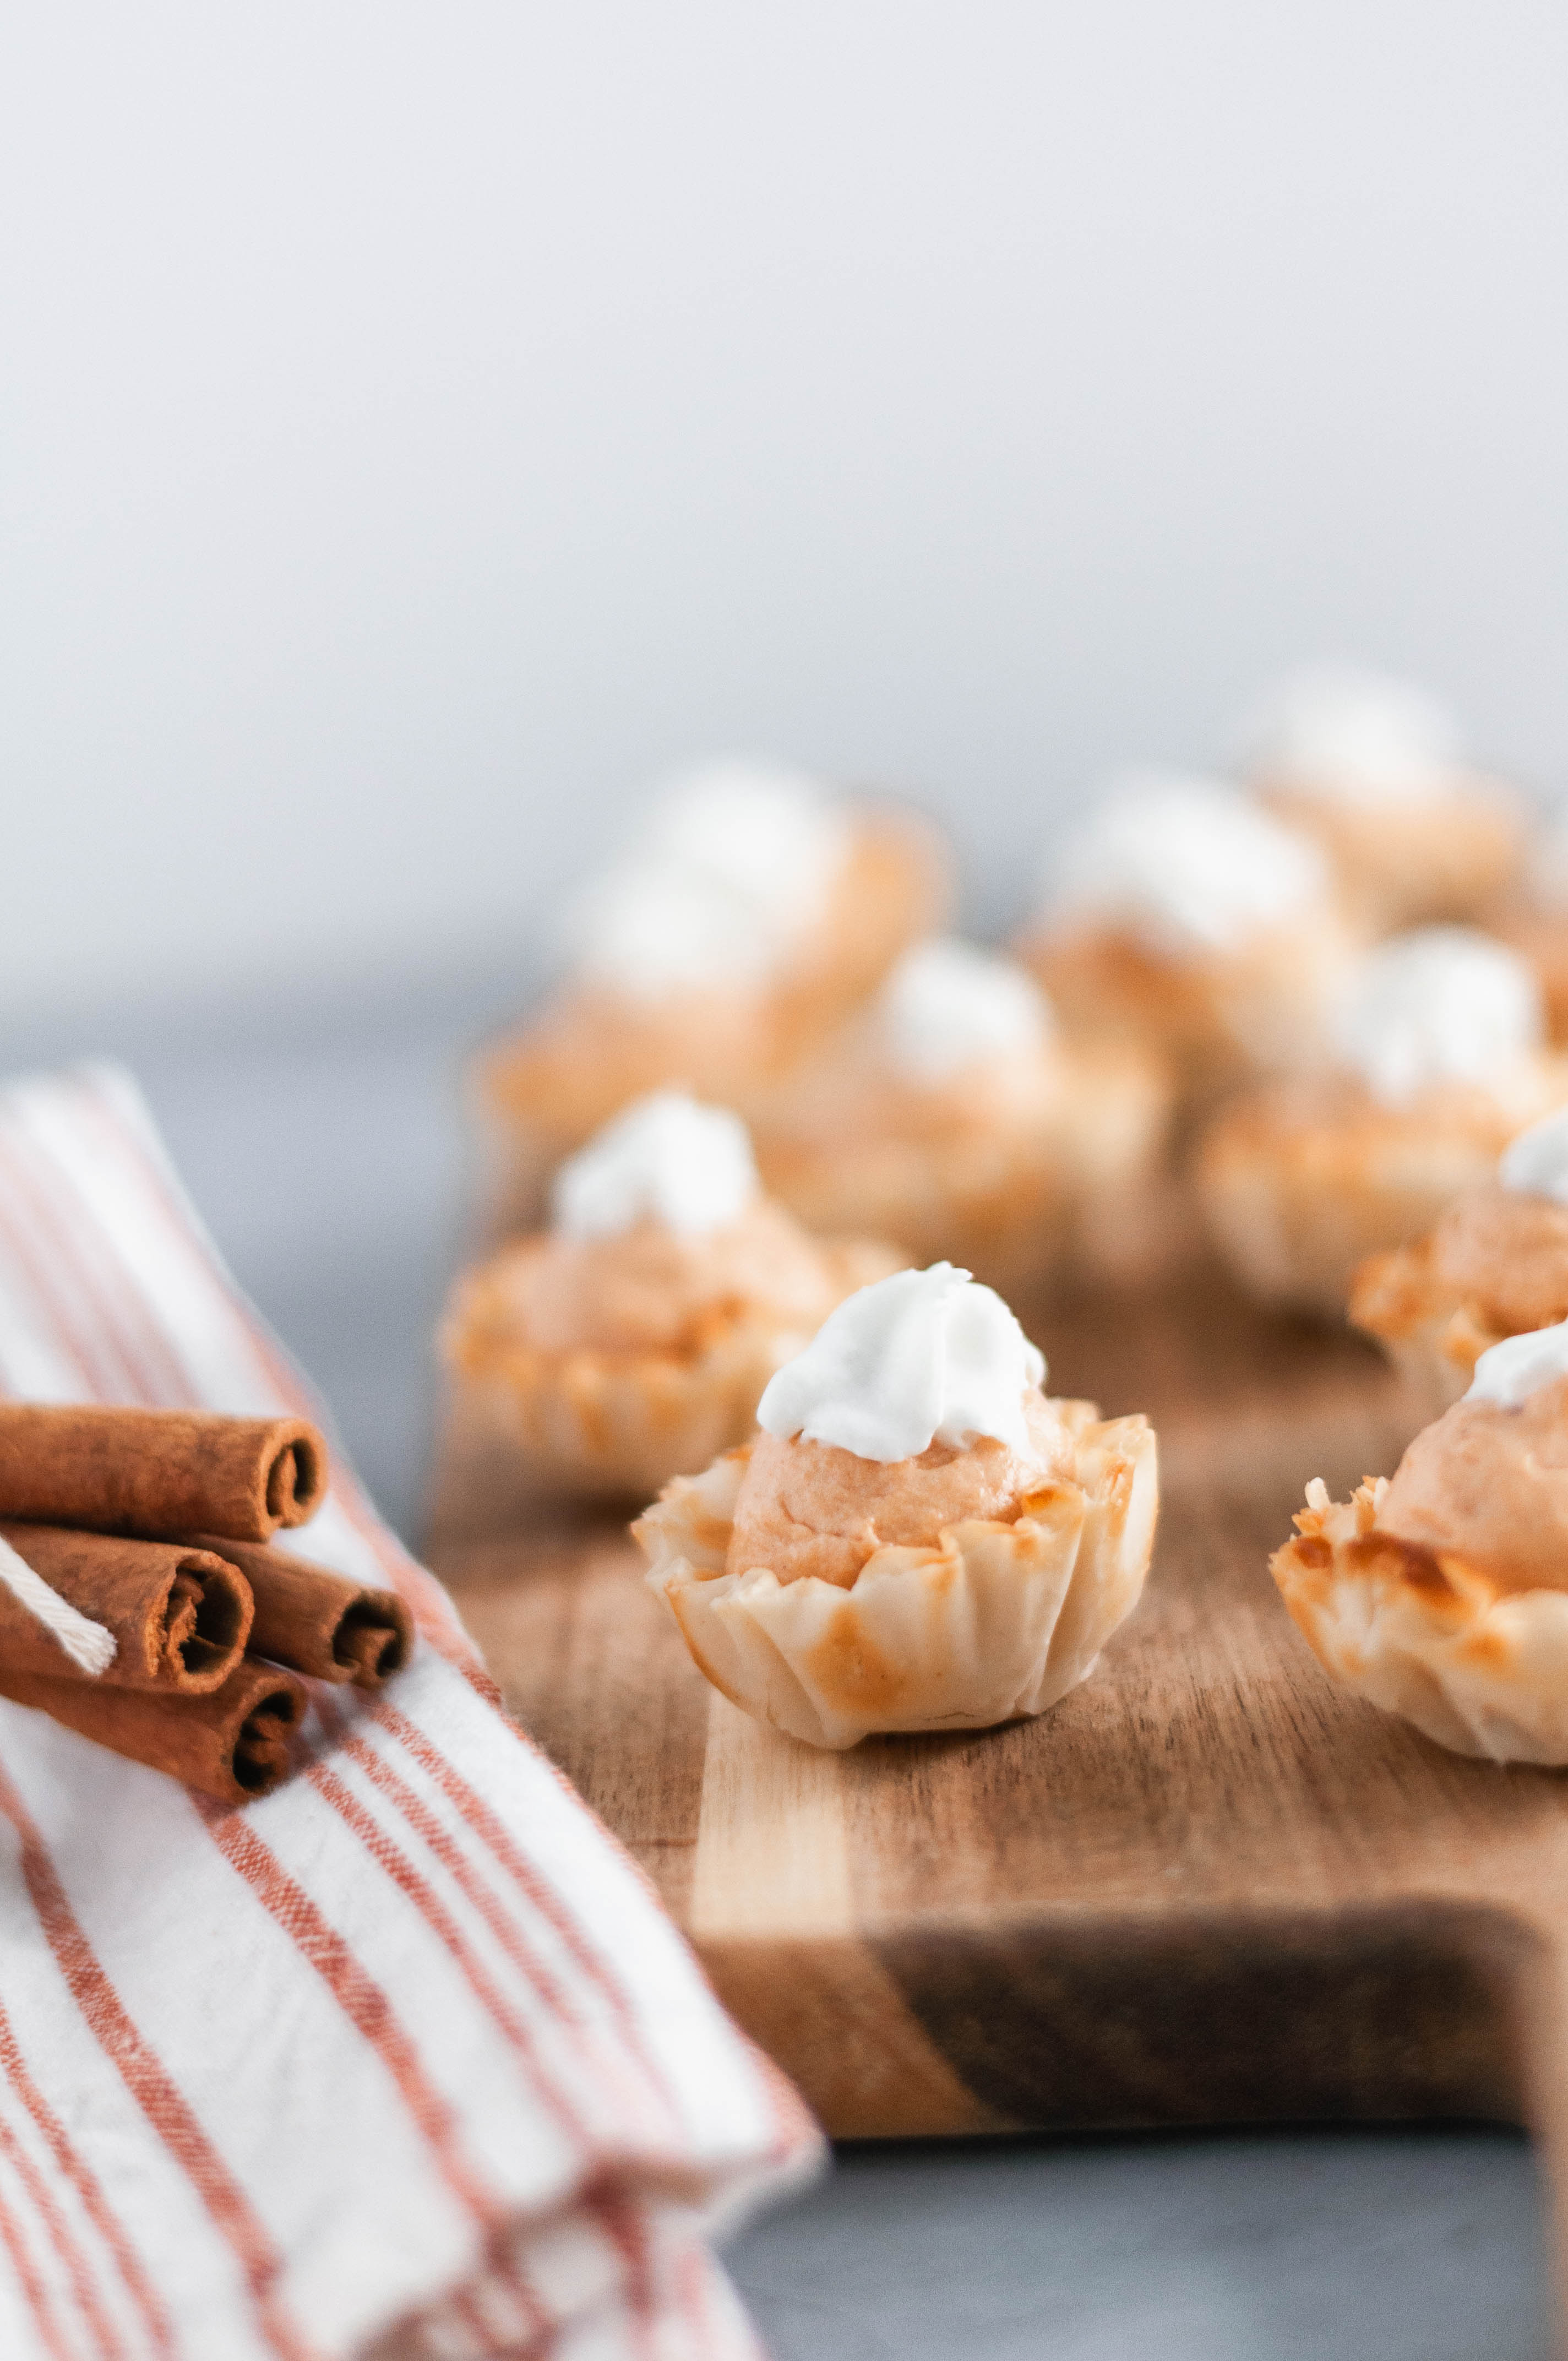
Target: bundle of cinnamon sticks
point(142, 1604)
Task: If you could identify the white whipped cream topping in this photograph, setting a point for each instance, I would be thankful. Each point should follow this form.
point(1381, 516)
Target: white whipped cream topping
point(734, 865)
point(1510, 1372)
point(1189, 865)
point(1438, 1005)
point(948, 1005)
point(651, 929)
point(1535, 1163)
point(662, 1159)
point(1359, 737)
point(925, 1357)
point(771, 834)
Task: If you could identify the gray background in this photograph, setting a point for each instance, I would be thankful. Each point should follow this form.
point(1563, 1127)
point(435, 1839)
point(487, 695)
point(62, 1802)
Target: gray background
point(1304, 2247)
point(420, 421)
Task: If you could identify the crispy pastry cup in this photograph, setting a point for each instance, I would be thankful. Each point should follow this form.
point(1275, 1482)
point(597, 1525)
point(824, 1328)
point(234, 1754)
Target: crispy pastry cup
point(617, 1425)
point(1422, 1634)
point(1299, 1184)
point(993, 1621)
point(1433, 1337)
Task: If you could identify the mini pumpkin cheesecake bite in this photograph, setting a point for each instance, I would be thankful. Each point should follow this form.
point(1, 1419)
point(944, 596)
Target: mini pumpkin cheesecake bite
point(751, 914)
point(1441, 1063)
point(916, 1539)
point(632, 1339)
point(1374, 771)
point(1441, 1593)
point(1493, 1264)
point(1185, 917)
point(955, 1117)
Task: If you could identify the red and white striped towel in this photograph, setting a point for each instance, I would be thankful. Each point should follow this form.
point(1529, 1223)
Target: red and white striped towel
point(406, 2060)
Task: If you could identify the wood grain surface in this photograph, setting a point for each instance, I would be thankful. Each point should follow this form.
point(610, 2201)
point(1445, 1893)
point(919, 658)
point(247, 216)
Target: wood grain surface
point(1207, 1887)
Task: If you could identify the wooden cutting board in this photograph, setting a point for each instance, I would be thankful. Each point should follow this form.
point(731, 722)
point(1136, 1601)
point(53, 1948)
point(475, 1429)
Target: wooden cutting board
point(1208, 1887)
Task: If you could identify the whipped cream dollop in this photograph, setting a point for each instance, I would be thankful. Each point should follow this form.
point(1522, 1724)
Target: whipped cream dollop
point(759, 830)
point(734, 865)
point(947, 1006)
point(652, 930)
point(1438, 1005)
point(1357, 736)
point(1510, 1372)
point(925, 1357)
point(1535, 1163)
point(1189, 865)
point(662, 1159)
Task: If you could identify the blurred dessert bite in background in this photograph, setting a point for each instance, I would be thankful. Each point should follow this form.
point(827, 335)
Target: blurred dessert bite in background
point(1533, 916)
point(1440, 1062)
point(754, 910)
point(955, 1117)
point(768, 944)
point(631, 1339)
point(1375, 772)
point(1494, 1265)
point(1181, 916)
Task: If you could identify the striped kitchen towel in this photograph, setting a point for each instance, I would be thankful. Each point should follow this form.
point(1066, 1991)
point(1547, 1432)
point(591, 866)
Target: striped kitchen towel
point(404, 2061)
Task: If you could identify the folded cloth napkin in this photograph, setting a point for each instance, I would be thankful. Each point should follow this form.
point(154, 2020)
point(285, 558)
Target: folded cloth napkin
point(405, 2060)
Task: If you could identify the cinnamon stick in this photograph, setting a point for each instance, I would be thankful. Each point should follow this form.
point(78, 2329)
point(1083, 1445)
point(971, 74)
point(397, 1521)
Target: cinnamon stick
point(159, 1471)
point(316, 1620)
point(232, 1743)
point(180, 1616)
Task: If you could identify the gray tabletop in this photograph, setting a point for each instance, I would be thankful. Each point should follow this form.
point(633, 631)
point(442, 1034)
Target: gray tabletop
point(323, 1145)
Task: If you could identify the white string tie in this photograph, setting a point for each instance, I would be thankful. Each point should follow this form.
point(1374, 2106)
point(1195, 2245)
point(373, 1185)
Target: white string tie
point(85, 1642)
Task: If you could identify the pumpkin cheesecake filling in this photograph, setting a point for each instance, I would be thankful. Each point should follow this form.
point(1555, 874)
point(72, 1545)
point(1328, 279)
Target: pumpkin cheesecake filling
point(1507, 1254)
point(1487, 1483)
point(813, 1509)
point(651, 1288)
